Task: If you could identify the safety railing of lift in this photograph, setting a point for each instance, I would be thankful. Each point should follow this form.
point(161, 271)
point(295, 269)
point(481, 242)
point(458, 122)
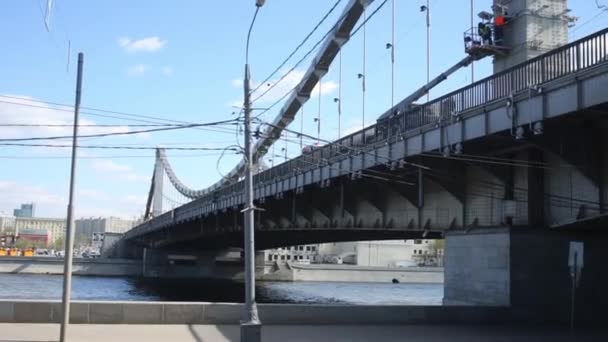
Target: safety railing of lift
point(579, 55)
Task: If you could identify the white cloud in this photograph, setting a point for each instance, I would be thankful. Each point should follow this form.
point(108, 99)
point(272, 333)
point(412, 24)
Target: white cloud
point(137, 201)
point(91, 194)
point(116, 171)
point(137, 70)
point(289, 82)
point(15, 193)
point(167, 71)
point(148, 44)
point(22, 110)
point(106, 165)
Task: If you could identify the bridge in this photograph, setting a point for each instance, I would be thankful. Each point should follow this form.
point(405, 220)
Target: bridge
point(462, 160)
point(508, 169)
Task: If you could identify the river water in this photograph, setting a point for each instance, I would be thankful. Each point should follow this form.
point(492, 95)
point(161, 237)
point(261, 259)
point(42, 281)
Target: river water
point(18, 286)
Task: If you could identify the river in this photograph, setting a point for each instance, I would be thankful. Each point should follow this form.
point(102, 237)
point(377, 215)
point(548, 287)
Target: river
point(18, 286)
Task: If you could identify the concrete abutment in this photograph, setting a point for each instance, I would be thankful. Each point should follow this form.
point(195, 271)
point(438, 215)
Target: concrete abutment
point(527, 270)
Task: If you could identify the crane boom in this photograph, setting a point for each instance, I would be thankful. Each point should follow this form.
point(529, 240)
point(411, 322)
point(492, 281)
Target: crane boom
point(406, 103)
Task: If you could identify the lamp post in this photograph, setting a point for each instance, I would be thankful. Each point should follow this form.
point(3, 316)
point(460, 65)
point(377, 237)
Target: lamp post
point(69, 234)
point(318, 121)
point(251, 325)
point(392, 48)
point(362, 78)
point(427, 9)
point(337, 100)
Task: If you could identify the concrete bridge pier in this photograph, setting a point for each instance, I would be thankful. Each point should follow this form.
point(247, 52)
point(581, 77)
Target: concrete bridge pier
point(527, 270)
point(223, 264)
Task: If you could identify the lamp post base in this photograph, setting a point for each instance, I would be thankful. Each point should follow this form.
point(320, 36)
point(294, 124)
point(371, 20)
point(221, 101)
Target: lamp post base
point(251, 332)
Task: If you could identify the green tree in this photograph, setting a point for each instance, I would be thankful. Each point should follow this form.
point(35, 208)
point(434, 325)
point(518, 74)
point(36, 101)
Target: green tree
point(81, 240)
point(23, 243)
point(58, 244)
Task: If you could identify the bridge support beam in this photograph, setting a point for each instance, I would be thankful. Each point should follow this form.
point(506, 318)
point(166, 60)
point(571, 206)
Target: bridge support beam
point(527, 270)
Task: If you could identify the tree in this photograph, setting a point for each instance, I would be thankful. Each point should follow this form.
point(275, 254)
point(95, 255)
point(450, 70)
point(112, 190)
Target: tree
point(58, 244)
point(21, 243)
point(81, 240)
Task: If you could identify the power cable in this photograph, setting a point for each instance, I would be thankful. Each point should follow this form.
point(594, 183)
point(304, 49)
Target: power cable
point(354, 149)
point(107, 157)
point(119, 133)
point(304, 57)
point(111, 147)
point(299, 46)
point(87, 125)
point(70, 108)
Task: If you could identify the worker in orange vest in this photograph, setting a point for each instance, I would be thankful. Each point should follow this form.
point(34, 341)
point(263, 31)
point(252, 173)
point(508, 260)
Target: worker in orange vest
point(499, 22)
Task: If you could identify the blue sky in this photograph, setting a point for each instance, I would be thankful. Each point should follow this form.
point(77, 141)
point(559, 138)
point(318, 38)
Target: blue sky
point(183, 61)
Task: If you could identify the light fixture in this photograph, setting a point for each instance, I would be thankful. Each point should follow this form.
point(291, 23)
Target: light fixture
point(360, 75)
point(537, 128)
point(519, 133)
point(389, 45)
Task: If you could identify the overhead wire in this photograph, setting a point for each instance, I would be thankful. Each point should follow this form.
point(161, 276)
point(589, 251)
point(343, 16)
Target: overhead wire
point(113, 147)
point(354, 149)
point(299, 46)
point(172, 128)
point(14, 157)
point(87, 111)
point(305, 56)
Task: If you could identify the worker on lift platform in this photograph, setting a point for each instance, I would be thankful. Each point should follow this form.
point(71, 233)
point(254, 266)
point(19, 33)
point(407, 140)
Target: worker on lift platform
point(499, 23)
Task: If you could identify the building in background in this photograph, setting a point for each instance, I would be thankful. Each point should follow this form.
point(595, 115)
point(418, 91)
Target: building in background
point(26, 210)
point(40, 237)
point(7, 223)
point(396, 253)
point(391, 253)
point(87, 226)
point(54, 226)
point(304, 254)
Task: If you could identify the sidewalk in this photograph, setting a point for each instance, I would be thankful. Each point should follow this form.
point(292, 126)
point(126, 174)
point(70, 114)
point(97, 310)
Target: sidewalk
point(220, 333)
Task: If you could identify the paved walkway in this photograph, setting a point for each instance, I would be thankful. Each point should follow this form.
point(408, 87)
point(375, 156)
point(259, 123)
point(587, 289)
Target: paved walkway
point(220, 333)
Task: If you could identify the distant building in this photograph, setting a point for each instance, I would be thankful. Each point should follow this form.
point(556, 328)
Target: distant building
point(40, 236)
point(391, 253)
point(88, 226)
point(26, 210)
point(296, 254)
point(55, 226)
point(394, 253)
point(7, 223)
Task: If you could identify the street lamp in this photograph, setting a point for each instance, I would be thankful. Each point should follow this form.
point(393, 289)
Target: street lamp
point(337, 100)
point(427, 9)
point(392, 48)
point(250, 326)
point(318, 121)
point(362, 78)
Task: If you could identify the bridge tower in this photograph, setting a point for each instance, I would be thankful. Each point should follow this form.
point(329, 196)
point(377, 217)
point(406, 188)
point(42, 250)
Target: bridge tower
point(157, 187)
point(533, 27)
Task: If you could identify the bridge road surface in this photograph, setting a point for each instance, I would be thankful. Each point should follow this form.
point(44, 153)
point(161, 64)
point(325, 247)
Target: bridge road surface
point(295, 333)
